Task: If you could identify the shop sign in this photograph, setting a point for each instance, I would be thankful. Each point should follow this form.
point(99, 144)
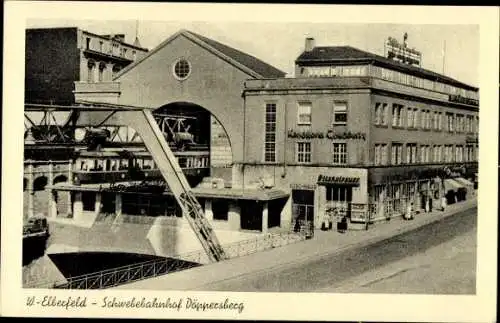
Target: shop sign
point(325, 180)
point(143, 187)
point(471, 139)
point(461, 99)
point(295, 186)
point(330, 134)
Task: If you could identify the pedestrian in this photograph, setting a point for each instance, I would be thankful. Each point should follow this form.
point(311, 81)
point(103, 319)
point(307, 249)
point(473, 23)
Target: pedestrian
point(342, 225)
point(297, 225)
point(409, 212)
point(443, 203)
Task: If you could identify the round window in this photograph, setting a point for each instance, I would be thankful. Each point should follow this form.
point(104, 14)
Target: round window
point(182, 69)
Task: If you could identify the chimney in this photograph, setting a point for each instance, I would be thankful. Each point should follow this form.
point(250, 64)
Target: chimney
point(309, 44)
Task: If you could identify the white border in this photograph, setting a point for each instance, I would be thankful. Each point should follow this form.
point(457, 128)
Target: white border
point(479, 308)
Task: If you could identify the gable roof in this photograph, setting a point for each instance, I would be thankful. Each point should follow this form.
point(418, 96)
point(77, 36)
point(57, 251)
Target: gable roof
point(245, 62)
point(348, 54)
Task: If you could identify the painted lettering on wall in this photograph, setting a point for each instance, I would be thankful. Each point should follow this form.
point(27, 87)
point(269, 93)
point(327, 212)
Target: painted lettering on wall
point(330, 134)
point(303, 186)
point(461, 99)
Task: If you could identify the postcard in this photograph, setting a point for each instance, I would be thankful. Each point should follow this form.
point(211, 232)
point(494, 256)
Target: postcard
point(237, 161)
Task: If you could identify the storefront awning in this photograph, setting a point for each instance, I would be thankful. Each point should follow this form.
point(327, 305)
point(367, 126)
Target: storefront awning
point(464, 181)
point(452, 185)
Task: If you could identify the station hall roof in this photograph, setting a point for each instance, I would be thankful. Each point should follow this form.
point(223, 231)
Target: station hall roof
point(204, 192)
point(348, 54)
point(250, 64)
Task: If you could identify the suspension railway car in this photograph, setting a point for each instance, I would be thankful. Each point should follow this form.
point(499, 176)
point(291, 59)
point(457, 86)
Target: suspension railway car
point(126, 165)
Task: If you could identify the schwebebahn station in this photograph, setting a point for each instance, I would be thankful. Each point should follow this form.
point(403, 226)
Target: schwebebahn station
point(352, 135)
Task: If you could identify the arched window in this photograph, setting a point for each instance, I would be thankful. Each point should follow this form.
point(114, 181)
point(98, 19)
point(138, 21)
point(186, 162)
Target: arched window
point(116, 69)
point(90, 71)
point(102, 67)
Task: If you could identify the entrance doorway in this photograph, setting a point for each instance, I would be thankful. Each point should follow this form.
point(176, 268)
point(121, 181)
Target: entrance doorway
point(302, 206)
point(251, 215)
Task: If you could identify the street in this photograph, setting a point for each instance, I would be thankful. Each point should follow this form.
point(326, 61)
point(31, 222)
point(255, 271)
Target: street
point(438, 258)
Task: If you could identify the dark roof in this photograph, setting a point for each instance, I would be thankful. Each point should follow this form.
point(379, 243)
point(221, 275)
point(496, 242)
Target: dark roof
point(251, 62)
point(350, 54)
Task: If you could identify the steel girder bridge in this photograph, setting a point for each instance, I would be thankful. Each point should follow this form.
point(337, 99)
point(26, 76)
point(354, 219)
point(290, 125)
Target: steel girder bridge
point(95, 117)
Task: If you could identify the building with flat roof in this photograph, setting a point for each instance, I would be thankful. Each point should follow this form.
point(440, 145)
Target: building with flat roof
point(56, 58)
point(352, 135)
point(356, 133)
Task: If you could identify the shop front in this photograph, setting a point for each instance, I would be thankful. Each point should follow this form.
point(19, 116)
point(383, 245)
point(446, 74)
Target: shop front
point(395, 191)
point(332, 195)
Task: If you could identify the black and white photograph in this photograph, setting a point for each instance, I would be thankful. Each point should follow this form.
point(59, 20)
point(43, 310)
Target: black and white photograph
point(173, 167)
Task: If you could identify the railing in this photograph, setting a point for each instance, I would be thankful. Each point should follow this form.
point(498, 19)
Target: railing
point(153, 268)
point(269, 241)
point(125, 274)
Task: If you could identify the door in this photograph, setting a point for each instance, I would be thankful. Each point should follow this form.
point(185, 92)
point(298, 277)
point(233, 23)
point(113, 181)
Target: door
point(302, 207)
point(251, 215)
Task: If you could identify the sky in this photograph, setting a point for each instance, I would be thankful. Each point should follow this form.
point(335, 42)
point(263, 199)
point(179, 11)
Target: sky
point(279, 44)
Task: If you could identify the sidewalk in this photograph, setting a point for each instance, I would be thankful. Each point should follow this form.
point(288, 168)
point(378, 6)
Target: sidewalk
point(324, 242)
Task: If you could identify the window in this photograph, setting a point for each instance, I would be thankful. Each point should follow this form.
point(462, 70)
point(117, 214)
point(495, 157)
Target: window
point(101, 44)
point(90, 71)
point(449, 122)
point(435, 120)
point(470, 153)
point(396, 153)
point(339, 193)
point(397, 115)
point(459, 123)
point(304, 113)
point(133, 55)
point(427, 153)
point(380, 154)
point(381, 114)
point(114, 49)
point(411, 153)
point(304, 152)
point(340, 113)
point(182, 69)
point(220, 209)
point(410, 118)
point(270, 133)
point(429, 120)
point(440, 121)
point(340, 153)
point(459, 153)
point(423, 119)
point(87, 43)
point(102, 67)
point(415, 118)
point(448, 153)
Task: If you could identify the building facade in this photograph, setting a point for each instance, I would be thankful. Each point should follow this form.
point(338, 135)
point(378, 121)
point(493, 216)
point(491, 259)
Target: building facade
point(359, 134)
point(188, 73)
point(56, 58)
point(353, 134)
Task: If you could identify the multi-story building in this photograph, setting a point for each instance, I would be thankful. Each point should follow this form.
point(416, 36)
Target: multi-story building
point(56, 58)
point(354, 131)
